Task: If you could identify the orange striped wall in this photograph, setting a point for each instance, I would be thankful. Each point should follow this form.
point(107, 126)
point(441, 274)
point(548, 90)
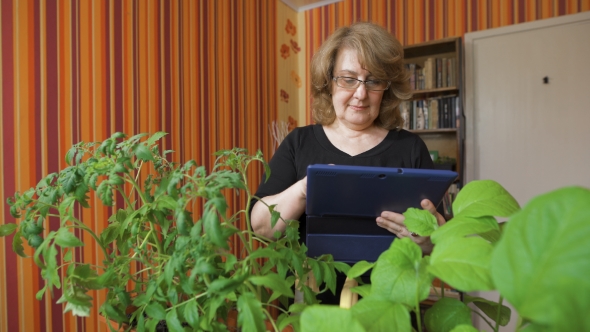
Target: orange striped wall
point(203, 71)
point(415, 21)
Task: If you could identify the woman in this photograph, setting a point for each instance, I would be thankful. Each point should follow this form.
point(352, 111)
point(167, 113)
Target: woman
point(358, 80)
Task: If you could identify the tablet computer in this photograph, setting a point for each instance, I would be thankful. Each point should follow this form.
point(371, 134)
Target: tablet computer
point(344, 201)
point(364, 191)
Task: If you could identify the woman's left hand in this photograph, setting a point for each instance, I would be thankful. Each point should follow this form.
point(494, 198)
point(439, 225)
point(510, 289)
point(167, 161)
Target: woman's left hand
point(394, 222)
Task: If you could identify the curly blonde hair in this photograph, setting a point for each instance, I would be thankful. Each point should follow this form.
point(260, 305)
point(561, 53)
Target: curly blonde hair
point(380, 53)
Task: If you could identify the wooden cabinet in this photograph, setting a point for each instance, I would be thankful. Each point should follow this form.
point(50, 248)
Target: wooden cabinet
point(436, 110)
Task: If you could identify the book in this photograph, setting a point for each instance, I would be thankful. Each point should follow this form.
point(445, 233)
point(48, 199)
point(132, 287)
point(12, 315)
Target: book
point(443, 119)
point(451, 73)
point(411, 68)
point(404, 108)
point(429, 72)
point(439, 72)
point(426, 113)
point(457, 112)
point(413, 114)
point(445, 73)
point(452, 112)
point(420, 76)
point(419, 115)
point(434, 113)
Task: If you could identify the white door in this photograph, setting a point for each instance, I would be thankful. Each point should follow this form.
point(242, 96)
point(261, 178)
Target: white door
point(530, 136)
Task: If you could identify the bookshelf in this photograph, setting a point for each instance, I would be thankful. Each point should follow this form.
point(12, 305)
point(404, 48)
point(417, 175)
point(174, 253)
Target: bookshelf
point(435, 111)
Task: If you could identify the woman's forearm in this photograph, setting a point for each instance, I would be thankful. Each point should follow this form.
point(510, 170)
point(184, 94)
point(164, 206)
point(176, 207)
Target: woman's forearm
point(289, 203)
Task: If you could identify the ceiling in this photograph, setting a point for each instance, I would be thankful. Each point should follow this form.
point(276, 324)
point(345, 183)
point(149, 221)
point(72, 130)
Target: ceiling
point(301, 5)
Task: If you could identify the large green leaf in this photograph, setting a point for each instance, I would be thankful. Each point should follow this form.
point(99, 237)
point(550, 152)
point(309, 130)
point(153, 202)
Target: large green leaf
point(110, 233)
point(155, 310)
point(381, 315)
point(78, 302)
point(462, 226)
point(463, 263)
point(446, 314)
point(329, 319)
point(224, 286)
point(213, 228)
point(420, 221)
point(484, 198)
point(250, 315)
point(172, 321)
point(274, 282)
point(143, 152)
point(113, 313)
point(266, 253)
point(84, 275)
point(191, 314)
point(155, 137)
point(400, 274)
point(7, 229)
point(359, 269)
point(541, 265)
point(66, 239)
point(17, 244)
point(51, 271)
point(362, 290)
point(316, 270)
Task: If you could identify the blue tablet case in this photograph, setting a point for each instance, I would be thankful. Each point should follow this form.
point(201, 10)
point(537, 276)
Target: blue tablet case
point(344, 201)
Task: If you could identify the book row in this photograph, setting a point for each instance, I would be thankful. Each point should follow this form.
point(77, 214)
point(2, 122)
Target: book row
point(431, 113)
point(435, 73)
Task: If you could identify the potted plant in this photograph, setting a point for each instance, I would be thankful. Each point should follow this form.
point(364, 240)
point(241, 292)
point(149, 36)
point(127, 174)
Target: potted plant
point(537, 261)
point(166, 250)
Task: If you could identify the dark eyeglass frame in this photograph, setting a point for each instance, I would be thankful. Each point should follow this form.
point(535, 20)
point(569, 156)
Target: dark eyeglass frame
point(335, 79)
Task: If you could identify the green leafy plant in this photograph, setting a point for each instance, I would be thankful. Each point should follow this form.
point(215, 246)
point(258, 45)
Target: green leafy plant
point(538, 262)
point(166, 250)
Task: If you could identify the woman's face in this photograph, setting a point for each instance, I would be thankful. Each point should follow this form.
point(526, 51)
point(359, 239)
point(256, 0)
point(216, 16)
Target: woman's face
point(358, 108)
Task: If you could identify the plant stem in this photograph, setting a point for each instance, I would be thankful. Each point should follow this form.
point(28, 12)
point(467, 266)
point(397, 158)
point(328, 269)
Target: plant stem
point(82, 226)
point(187, 301)
point(418, 317)
point(156, 240)
point(519, 322)
point(122, 192)
point(498, 314)
point(483, 317)
point(271, 320)
point(137, 188)
point(143, 243)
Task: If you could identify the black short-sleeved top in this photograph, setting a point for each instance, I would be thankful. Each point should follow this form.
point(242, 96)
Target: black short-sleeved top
point(310, 145)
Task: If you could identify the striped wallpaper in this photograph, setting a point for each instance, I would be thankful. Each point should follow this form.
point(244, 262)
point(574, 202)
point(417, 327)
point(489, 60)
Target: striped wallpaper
point(203, 71)
point(416, 21)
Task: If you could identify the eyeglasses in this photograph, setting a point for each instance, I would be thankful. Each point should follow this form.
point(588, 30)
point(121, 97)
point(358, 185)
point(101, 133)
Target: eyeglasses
point(353, 83)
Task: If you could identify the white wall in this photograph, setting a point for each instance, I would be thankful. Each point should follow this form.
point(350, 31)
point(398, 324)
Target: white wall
point(529, 136)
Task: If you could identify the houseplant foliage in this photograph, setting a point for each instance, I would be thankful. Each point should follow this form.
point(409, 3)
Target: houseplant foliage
point(162, 262)
point(538, 262)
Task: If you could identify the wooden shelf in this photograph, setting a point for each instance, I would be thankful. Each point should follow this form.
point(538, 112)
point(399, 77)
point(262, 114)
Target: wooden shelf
point(448, 142)
point(439, 91)
point(435, 131)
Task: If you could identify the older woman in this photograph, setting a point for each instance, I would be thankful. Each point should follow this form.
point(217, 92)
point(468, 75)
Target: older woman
point(358, 80)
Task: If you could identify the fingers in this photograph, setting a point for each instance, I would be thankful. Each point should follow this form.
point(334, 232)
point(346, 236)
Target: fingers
point(393, 222)
point(427, 205)
point(390, 226)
